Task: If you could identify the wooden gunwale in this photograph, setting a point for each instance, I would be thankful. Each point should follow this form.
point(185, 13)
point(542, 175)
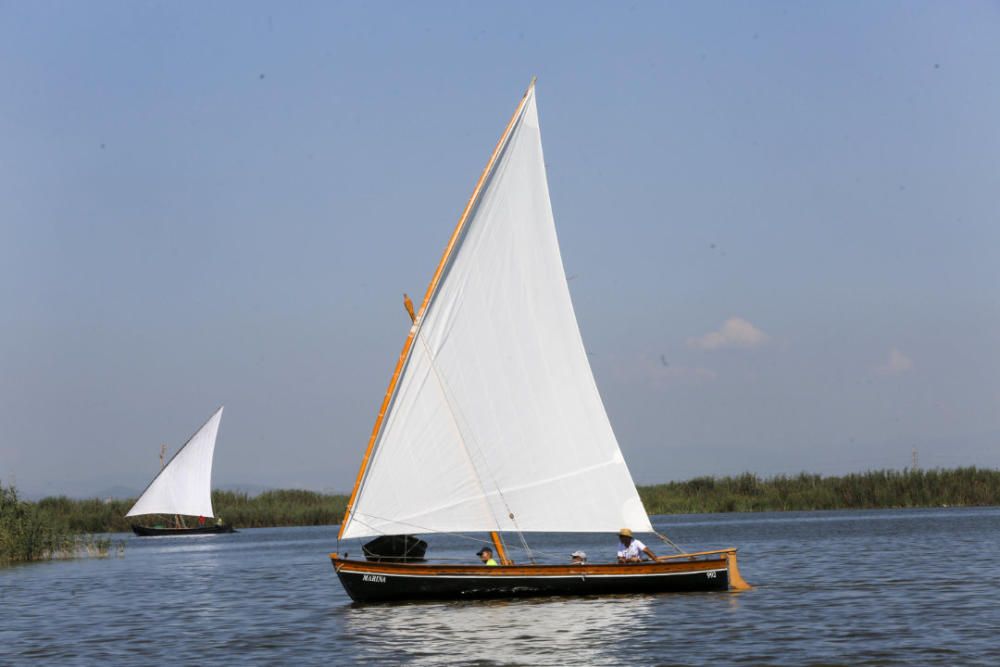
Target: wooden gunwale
point(590, 569)
point(431, 288)
point(730, 550)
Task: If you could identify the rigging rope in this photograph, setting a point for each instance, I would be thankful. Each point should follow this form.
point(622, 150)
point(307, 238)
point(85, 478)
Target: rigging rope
point(667, 540)
point(419, 529)
point(530, 553)
point(461, 436)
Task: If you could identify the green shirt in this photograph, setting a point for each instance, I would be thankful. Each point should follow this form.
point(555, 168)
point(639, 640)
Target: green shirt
point(491, 562)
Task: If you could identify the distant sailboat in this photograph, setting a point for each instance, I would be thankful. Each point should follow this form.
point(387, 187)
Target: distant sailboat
point(183, 487)
point(492, 422)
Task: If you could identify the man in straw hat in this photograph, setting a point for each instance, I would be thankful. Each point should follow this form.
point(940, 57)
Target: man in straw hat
point(630, 550)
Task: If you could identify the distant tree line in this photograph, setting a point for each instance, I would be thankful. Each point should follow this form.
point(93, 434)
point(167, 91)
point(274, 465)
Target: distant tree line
point(47, 528)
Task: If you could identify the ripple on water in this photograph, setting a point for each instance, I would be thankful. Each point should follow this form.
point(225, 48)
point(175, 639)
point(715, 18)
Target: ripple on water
point(872, 588)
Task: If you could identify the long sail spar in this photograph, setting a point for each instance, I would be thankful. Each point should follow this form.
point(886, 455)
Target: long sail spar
point(390, 393)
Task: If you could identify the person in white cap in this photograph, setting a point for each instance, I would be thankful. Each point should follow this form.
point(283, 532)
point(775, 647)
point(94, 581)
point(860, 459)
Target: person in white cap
point(630, 550)
point(578, 558)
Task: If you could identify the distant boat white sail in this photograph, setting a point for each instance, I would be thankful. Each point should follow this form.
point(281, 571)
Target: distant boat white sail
point(184, 485)
point(494, 422)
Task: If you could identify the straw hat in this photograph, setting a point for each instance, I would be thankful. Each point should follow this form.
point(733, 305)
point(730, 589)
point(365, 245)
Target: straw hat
point(625, 532)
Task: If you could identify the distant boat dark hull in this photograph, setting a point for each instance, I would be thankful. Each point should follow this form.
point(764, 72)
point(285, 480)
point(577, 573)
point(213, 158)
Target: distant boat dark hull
point(390, 582)
point(150, 531)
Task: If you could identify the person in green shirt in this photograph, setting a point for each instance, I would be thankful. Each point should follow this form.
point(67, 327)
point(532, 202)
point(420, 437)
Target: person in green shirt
point(486, 555)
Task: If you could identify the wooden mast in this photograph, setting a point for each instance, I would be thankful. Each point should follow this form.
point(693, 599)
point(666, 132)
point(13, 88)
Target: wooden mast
point(431, 288)
point(501, 551)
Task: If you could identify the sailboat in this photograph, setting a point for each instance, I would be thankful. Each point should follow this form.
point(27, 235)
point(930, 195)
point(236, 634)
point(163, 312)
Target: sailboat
point(183, 487)
point(492, 422)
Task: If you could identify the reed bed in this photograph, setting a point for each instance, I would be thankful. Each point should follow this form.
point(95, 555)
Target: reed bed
point(285, 507)
point(282, 507)
point(741, 493)
point(869, 490)
point(29, 533)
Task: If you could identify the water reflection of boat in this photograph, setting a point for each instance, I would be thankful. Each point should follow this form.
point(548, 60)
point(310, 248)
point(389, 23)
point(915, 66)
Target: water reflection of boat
point(183, 487)
point(580, 631)
point(492, 422)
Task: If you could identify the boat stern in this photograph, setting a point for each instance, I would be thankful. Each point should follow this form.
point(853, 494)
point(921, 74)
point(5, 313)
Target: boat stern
point(736, 581)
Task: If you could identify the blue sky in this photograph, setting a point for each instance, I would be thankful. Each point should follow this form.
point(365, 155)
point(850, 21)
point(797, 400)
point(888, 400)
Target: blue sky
point(780, 221)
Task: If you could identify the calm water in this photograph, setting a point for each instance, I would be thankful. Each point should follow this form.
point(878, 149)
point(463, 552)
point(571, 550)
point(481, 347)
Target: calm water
point(908, 587)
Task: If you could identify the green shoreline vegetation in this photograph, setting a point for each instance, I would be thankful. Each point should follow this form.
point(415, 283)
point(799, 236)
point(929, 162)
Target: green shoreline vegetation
point(53, 526)
point(876, 489)
point(28, 532)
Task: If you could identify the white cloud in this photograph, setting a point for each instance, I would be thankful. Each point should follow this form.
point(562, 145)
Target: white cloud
point(896, 363)
point(734, 332)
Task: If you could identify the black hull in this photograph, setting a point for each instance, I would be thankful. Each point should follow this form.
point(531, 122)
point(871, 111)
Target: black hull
point(367, 582)
point(149, 531)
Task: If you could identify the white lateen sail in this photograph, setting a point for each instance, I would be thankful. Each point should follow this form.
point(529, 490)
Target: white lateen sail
point(495, 422)
point(184, 485)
